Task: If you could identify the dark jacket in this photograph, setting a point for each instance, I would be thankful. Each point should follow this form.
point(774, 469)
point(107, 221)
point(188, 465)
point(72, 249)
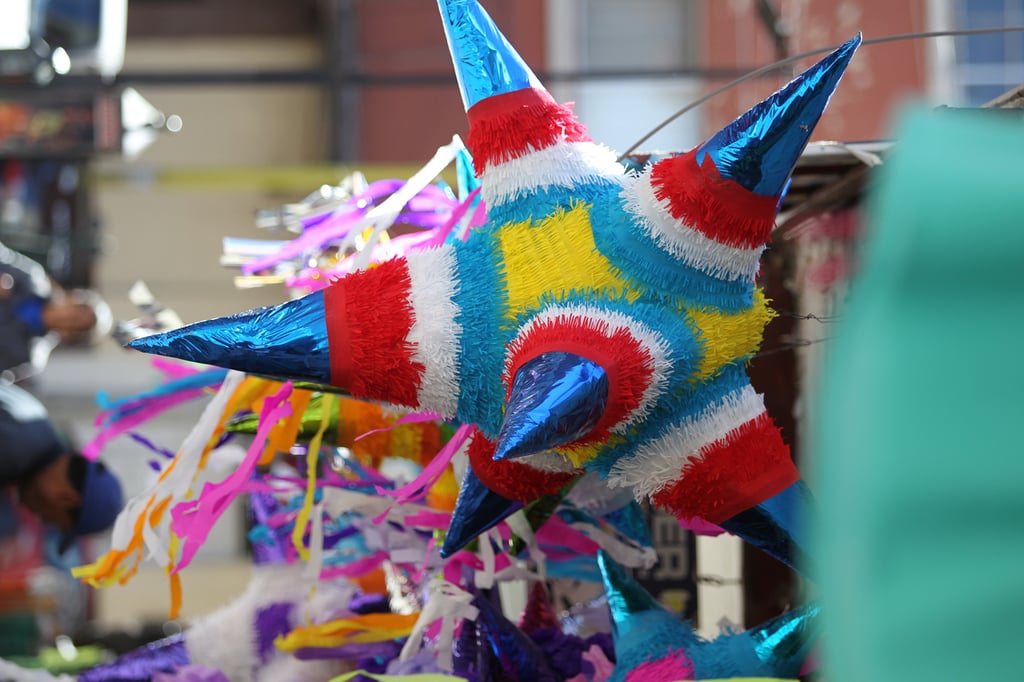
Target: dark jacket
point(28, 443)
point(24, 347)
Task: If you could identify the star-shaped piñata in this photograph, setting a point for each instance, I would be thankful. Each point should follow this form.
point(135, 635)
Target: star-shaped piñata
point(600, 321)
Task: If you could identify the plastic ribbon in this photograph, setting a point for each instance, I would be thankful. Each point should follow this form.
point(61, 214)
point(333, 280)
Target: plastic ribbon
point(357, 629)
point(302, 520)
point(384, 215)
point(412, 418)
point(417, 677)
point(418, 488)
point(134, 527)
point(449, 604)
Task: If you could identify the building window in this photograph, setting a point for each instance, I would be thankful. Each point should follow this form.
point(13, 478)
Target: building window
point(988, 64)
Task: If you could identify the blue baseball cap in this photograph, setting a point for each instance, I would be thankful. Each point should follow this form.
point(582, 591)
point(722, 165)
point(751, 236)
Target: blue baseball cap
point(102, 498)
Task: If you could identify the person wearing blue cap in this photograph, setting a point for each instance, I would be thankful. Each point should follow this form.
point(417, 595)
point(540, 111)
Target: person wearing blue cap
point(75, 495)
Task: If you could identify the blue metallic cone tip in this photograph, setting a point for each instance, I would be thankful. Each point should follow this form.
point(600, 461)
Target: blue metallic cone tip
point(288, 341)
point(626, 598)
point(776, 526)
point(759, 149)
point(777, 648)
point(485, 63)
point(556, 398)
point(477, 509)
point(642, 629)
point(521, 660)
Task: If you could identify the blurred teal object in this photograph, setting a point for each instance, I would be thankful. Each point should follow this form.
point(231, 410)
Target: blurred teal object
point(919, 445)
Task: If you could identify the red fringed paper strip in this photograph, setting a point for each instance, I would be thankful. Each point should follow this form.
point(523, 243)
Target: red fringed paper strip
point(740, 471)
point(368, 319)
point(505, 127)
point(718, 208)
point(627, 363)
point(509, 478)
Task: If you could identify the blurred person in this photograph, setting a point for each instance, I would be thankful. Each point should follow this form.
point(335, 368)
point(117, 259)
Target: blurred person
point(36, 315)
point(74, 495)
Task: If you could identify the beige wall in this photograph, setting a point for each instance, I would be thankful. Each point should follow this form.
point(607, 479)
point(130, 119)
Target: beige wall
point(164, 214)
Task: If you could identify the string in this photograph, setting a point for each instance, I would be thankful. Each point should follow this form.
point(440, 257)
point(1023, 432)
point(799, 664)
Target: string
point(804, 55)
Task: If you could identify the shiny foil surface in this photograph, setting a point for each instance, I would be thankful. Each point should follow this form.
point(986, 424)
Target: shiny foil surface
point(289, 340)
point(485, 63)
point(758, 149)
point(783, 643)
point(556, 398)
point(488, 508)
point(776, 526)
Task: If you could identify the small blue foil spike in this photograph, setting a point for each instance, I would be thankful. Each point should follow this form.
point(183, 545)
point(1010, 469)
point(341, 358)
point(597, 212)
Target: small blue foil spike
point(520, 659)
point(485, 63)
point(759, 149)
point(642, 629)
point(477, 509)
point(287, 341)
point(777, 648)
point(556, 398)
point(776, 526)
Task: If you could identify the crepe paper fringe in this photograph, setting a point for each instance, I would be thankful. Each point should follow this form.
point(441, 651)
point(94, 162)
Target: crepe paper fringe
point(478, 298)
point(192, 520)
point(535, 266)
point(683, 242)
point(728, 338)
point(562, 167)
point(646, 267)
point(356, 629)
point(721, 209)
point(302, 521)
point(371, 355)
point(749, 465)
point(142, 524)
point(660, 463)
point(674, 666)
point(506, 126)
point(435, 334)
point(635, 357)
point(512, 479)
point(418, 488)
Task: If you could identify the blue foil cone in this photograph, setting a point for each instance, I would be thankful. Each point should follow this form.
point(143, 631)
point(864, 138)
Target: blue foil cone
point(759, 149)
point(519, 658)
point(287, 341)
point(642, 629)
point(777, 648)
point(556, 398)
point(485, 63)
point(776, 526)
point(477, 509)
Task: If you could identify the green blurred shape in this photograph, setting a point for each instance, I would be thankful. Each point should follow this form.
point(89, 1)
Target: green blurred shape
point(921, 465)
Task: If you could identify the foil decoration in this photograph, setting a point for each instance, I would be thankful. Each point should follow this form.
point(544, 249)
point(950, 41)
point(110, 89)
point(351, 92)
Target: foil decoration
point(486, 64)
point(556, 398)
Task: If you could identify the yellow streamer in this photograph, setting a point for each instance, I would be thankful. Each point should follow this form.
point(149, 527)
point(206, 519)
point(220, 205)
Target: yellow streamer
point(364, 629)
point(302, 520)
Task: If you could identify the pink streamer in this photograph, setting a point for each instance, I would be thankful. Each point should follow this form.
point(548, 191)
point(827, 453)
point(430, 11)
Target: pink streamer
point(93, 448)
point(192, 520)
point(413, 418)
point(355, 568)
point(429, 519)
point(417, 489)
point(174, 369)
point(558, 533)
